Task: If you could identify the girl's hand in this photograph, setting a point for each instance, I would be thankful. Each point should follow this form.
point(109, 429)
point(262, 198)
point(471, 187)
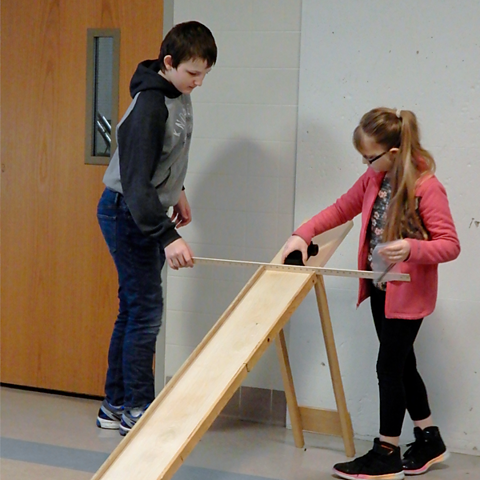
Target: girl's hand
point(178, 254)
point(295, 243)
point(396, 252)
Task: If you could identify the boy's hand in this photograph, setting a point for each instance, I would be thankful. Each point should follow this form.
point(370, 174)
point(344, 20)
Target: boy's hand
point(178, 254)
point(295, 243)
point(182, 215)
point(396, 252)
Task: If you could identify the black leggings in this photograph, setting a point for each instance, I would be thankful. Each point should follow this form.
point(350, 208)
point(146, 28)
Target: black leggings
point(401, 386)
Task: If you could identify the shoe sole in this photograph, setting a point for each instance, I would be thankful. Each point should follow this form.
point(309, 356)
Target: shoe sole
point(424, 469)
point(108, 424)
point(363, 476)
point(123, 431)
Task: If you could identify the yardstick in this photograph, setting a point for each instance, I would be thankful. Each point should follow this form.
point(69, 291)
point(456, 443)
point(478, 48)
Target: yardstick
point(336, 272)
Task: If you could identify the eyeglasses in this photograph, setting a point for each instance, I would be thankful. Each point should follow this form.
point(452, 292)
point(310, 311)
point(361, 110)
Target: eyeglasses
point(374, 159)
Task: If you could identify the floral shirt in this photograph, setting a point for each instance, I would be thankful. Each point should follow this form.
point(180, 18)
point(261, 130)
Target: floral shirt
point(377, 222)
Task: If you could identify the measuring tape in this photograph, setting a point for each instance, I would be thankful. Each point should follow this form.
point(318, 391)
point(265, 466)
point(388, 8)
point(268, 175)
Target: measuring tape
point(335, 272)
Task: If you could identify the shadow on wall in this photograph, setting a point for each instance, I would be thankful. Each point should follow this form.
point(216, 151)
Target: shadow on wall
point(242, 208)
point(242, 196)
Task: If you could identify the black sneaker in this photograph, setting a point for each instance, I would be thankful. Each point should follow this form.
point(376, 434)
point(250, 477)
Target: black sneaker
point(427, 449)
point(382, 462)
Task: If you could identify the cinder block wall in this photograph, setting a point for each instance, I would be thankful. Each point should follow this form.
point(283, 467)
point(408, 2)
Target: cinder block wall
point(241, 174)
point(422, 56)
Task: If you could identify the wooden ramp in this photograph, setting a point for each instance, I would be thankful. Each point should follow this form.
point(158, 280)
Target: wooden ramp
point(190, 402)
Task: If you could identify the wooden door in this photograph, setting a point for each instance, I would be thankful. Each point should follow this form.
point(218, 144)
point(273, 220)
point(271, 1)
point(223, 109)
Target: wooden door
point(58, 283)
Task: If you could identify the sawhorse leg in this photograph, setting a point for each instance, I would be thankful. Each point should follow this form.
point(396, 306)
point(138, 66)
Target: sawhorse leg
point(293, 409)
point(344, 416)
point(308, 418)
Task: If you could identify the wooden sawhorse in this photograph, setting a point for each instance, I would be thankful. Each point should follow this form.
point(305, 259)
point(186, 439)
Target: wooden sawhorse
point(317, 420)
point(329, 422)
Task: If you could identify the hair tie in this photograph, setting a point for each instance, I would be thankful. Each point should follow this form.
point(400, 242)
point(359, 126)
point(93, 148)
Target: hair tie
point(398, 113)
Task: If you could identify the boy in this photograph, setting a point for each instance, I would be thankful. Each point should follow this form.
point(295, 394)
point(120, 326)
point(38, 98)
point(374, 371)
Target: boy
point(145, 177)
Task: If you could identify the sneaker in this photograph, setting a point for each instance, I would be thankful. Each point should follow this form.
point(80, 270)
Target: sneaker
point(427, 449)
point(109, 416)
point(130, 417)
point(383, 462)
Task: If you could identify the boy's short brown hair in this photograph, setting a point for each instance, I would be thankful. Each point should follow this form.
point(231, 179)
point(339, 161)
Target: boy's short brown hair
point(188, 40)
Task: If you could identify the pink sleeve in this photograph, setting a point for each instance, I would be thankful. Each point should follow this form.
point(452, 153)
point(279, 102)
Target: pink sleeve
point(344, 209)
point(443, 245)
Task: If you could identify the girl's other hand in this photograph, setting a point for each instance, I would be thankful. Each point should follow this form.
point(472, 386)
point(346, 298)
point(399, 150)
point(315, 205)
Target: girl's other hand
point(295, 243)
point(396, 252)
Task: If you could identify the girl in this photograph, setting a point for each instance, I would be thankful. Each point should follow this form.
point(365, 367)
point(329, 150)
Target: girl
point(404, 204)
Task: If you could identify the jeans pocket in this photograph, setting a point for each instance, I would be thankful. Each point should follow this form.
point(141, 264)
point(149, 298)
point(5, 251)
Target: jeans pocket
point(124, 211)
point(108, 226)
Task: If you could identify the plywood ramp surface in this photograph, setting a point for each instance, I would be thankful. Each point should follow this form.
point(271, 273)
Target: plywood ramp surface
point(175, 421)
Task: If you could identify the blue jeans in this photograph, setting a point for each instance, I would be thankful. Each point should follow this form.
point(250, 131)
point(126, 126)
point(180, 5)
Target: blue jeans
point(139, 261)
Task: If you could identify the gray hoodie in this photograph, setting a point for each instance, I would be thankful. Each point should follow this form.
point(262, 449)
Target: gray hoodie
point(150, 163)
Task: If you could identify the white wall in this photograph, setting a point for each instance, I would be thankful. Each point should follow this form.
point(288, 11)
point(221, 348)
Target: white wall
point(422, 55)
point(242, 164)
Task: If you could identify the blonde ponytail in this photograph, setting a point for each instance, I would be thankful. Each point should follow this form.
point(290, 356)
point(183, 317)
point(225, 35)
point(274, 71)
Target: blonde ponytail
point(399, 129)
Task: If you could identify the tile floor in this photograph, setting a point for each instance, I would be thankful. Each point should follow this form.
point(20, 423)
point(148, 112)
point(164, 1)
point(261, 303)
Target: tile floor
point(54, 437)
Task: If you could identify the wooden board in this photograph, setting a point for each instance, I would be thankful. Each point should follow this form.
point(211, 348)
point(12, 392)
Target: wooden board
point(177, 419)
point(187, 406)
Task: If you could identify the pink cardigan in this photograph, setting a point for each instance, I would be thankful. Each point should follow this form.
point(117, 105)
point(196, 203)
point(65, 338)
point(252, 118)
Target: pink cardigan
point(408, 300)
